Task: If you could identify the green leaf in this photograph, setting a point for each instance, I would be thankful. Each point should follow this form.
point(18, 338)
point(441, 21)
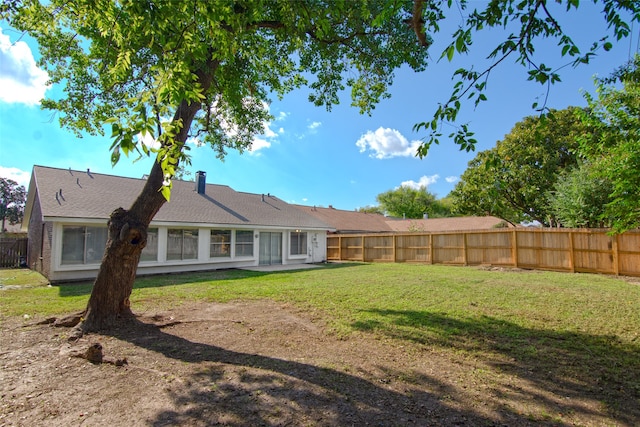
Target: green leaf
point(115, 156)
point(166, 192)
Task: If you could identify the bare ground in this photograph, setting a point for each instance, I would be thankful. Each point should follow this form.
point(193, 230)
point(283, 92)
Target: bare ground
point(264, 363)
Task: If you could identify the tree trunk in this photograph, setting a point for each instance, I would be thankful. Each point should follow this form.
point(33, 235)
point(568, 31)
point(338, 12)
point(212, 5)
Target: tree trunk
point(109, 301)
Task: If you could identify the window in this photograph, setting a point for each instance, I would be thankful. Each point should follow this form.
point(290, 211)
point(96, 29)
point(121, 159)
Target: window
point(182, 244)
point(244, 243)
point(83, 245)
point(298, 243)
point(150, 252)
point(220, 243)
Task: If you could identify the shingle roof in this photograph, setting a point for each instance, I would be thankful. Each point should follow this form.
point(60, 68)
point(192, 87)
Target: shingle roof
point(348, 221)
point(360, 222)
point(433, 225)
point(82, 194)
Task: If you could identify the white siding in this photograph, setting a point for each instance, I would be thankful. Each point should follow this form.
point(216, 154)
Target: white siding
point(316, 252)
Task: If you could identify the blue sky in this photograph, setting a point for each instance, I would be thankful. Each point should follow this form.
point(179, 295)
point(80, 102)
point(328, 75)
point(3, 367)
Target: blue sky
point(308, 155)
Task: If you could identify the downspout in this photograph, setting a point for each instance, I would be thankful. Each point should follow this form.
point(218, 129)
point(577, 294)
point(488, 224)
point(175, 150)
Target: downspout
point(40, 259)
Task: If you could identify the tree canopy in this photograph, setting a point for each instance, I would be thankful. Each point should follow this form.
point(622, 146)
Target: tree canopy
point(613, 150)
point(510, 180)
point(407, 202)
point(579, 198)
point(12, 200)
point(137, 64)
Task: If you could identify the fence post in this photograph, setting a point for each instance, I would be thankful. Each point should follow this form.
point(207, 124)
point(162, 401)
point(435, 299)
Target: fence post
point(395, 259)
point(572, 262)
point(430, 248)
point(514, 247)
point(616, 258)
point(464, 248)
point(362, 246)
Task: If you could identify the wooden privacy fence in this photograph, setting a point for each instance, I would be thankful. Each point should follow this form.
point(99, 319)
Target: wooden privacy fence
point(13, 252)
point(571, 250)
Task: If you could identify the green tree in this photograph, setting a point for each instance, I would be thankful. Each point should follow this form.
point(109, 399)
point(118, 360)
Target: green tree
point(510, 180)
point(12, 200)
point(174, 69)
point(579, 198)
point(614, 150)
point(441, 208)
point(477, 191)
point(372, 209)
point(407, 202)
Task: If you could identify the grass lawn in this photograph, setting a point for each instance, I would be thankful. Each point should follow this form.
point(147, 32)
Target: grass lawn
point(419, 303)
point(466, 308)
point(579, 333)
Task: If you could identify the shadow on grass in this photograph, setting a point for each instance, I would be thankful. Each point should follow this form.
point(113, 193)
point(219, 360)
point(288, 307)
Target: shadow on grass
point(567, 364)
point(176, 279)
point(276, 391)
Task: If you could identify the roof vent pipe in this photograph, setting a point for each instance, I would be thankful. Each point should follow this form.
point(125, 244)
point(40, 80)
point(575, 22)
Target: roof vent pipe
point(201, 182)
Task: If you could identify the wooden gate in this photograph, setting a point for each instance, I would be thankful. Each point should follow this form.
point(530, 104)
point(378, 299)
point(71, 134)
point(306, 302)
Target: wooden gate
point(13, 252)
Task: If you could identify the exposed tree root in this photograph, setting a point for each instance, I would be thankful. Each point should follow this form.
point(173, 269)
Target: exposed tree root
point(69, 321)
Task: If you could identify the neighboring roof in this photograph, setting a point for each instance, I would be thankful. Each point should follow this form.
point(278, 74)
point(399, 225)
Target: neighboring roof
point(434, 225)
point(348, 221)
point(66, 193)
point(361, 222)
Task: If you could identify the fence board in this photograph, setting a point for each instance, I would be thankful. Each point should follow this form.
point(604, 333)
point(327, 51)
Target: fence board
point(413, 248)
point(489, 248)
point(628, 247)
point(593, 252)
point(581, 250)
point(379, 248)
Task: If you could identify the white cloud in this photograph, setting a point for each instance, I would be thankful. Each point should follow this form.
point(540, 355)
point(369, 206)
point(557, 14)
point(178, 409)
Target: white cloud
point(19, 176)
point(265, 140)
point(386, 143)
point(20, 78)
point(314, 125)
point(258, 144)
point(268, 132)
point(452, 179)
point(425, 181)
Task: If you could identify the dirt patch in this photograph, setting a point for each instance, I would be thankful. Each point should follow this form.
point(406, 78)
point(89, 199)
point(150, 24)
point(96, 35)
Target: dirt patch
point(263, 363)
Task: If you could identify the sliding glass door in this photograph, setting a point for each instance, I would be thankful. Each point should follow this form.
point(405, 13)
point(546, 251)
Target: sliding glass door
point(270, 248)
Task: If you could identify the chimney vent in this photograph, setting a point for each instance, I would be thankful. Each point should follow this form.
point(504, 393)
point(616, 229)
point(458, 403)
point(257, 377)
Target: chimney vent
point(201, 182)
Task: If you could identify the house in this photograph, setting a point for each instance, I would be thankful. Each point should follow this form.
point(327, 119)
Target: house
point(353, 222)
point(346, 222)
point(203, 227)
